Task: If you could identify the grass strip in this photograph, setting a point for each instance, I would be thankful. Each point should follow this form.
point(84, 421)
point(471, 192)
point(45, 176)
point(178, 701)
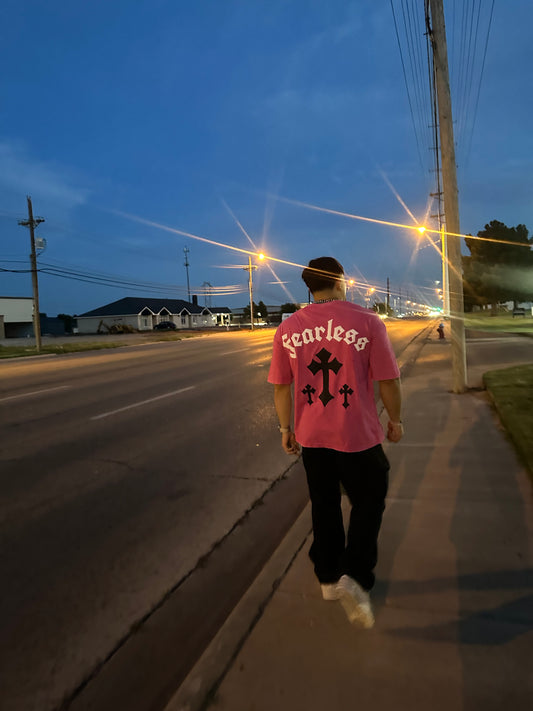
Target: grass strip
point(156, 337)
point(20, 351)
point(80, 346)
point(506, 323)
point(511, 390)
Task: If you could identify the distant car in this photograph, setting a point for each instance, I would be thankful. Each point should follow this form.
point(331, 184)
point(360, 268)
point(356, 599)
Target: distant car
point(165, 326)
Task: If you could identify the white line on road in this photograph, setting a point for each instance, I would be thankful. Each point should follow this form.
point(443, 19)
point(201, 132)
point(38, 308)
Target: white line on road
point(35, 392)
point(144, 402)
point(238, 350)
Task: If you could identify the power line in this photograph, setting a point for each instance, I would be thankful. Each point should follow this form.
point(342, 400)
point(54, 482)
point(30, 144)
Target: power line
point(406, 85)
point(469, 142)
point(467, 67)
point(115, 281)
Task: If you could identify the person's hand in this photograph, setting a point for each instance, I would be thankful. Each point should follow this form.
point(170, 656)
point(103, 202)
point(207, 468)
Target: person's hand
point(394, 431)
point(289, 443)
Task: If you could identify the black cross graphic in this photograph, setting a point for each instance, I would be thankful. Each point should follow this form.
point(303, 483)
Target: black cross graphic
point(308, 390)
point(346, 390)
point(323, 365)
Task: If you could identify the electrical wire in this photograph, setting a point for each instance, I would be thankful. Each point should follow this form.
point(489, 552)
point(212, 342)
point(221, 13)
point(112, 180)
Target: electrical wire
point(114, 281)
point(467, 67)
point(407, 85)
point(469, 140)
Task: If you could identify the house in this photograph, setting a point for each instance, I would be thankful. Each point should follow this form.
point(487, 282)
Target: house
point(142, 314)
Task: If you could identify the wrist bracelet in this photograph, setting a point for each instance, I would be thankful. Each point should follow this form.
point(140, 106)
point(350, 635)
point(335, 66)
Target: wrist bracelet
point(399, 422)
point(284, 430)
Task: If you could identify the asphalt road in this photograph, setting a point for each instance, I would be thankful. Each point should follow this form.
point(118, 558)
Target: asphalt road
point(121, 471)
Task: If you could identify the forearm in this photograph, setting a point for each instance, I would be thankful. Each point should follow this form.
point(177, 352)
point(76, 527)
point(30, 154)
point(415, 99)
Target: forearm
point(391, 396)
point(283, 404)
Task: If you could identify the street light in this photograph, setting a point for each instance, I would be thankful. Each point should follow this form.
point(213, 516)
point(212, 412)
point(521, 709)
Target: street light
point(351, 284)
point(250, 269)
point(369, 291)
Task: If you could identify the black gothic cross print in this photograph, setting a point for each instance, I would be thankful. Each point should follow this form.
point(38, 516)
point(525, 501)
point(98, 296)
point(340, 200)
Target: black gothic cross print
point(325, 366)
point(308, 390)
point(346, 390)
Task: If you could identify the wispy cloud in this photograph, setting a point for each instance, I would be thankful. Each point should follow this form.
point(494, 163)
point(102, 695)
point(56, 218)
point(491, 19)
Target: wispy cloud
point(24, 174)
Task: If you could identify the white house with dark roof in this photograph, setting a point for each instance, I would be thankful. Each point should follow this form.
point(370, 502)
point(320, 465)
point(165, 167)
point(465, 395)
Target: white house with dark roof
point(143, 314)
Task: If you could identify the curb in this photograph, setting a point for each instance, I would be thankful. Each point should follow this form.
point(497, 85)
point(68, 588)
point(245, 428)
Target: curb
point(201, 684)
point(410, 353)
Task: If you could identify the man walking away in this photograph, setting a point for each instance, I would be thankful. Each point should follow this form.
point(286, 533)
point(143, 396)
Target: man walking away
point(331, 352)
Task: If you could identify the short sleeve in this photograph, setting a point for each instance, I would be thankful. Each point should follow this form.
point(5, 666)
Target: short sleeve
point(383, 364)
point(280, 372)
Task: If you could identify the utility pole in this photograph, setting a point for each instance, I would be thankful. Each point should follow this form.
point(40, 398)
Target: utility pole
point(451, 202)
point(32, 224)
point(207, 286)
point(440, 215)
point(186, 263)
point(250, 269)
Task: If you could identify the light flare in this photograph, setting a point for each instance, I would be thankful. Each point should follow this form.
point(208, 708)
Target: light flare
point(261, 256)
point(387, 223)
point(397, 196)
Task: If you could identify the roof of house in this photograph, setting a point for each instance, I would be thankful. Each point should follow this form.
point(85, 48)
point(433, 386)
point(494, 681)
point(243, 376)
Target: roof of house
point(132, 305)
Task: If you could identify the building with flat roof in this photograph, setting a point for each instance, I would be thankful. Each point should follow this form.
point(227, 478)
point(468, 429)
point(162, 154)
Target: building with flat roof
point(16, 316)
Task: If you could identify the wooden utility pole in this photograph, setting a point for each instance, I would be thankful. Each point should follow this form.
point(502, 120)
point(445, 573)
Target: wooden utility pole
point(451, 202)
point(186, 251)
point(32, 224)
point(250, 269)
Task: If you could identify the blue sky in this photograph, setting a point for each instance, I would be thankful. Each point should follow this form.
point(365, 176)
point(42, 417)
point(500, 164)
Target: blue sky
point(173, 112)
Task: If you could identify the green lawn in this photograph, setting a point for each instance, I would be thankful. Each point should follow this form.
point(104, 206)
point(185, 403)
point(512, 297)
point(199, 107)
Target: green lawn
point(512, 392)
point(478, 321)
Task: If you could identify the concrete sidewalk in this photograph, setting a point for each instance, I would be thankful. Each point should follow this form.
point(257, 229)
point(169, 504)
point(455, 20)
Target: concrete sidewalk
point(454, 593)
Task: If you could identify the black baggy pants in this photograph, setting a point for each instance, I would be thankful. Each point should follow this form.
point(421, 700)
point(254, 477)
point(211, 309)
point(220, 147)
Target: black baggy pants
point(364, 476)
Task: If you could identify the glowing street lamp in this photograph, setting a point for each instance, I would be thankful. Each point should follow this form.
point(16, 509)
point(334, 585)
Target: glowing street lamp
point(250, 269)
point(369, 291)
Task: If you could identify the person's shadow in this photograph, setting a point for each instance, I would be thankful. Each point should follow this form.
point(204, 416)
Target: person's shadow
point(494, 581)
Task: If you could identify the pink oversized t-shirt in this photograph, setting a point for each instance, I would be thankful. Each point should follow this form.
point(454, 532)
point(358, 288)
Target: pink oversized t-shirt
point(333, 351)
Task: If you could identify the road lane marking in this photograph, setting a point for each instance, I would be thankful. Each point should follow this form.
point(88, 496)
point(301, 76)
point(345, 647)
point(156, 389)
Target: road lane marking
point(144, 402)
point(35, 392)
point(238, 350)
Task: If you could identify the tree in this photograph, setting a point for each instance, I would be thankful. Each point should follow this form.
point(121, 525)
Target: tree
point(380, 307)
point(68, 320)
point(496, 270)
point(246, 311)
point(289, 308)
point(262, 309)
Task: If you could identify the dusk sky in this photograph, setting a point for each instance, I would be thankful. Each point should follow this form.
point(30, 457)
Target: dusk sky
point(118, 117)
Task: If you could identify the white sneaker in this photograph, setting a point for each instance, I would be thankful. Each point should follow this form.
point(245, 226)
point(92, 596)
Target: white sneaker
point(330, 591)
point(356, 602)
